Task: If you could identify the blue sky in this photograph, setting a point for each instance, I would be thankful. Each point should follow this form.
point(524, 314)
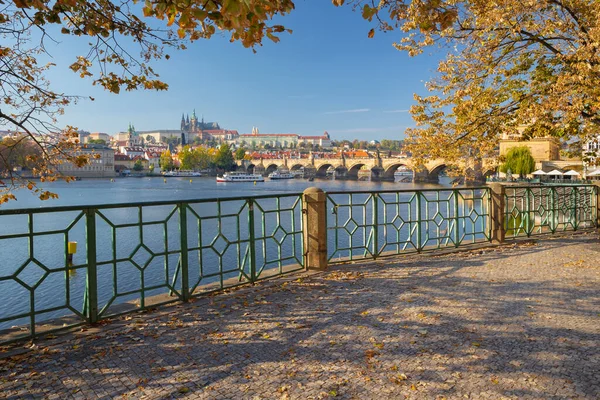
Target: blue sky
point(326, 76)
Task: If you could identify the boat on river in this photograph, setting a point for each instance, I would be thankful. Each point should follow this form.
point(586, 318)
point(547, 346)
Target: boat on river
point(240, 177)
point(182, 173)
point(281, 175)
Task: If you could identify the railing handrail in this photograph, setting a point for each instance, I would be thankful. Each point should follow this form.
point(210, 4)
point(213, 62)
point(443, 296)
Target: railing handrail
point(39, 210)
point(549, 186)
point(17, 211)
point(448, 189)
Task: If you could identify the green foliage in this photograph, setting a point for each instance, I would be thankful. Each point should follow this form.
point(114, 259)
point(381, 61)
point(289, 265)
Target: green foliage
point(519, 160)
point(138, 166)
point(224, 158)
point(187, 158)
point(240, 153)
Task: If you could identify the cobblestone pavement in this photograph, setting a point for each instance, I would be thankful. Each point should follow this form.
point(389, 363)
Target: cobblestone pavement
point(517, 322)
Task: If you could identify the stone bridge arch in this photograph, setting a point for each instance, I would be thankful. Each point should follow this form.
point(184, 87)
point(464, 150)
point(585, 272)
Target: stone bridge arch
point(434, 172)
point(354, 169)
point(271, 167)
point(390, 170)
point(323, 167)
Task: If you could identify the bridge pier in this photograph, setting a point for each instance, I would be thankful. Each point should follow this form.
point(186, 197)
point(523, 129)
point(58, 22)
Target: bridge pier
point(341, 173)
point(424, 176)
point(378, 174)
point(259, 169)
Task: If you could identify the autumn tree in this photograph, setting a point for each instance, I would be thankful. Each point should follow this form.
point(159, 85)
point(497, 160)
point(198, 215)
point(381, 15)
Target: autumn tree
point(224, 158)
point(532, 65)
point(187, 158)
point(166, 161)
point(519, 161)
point(205, 157)
point(31, 104)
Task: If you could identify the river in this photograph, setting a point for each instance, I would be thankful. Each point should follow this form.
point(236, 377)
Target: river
point(127, 190)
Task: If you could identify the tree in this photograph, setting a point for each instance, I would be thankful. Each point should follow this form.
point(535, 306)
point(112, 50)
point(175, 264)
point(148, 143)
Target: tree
point(187, 158)
point(511, 64)
point(138, 166)
point(519, 161)
point(16, 152)
point(205, 158)
point(166, 161)
point(240, 153)
point(97, 141)
point(111, 30)
point(224, 158)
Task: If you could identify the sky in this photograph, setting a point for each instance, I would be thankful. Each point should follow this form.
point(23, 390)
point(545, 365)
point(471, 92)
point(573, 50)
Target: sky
point(325, 76)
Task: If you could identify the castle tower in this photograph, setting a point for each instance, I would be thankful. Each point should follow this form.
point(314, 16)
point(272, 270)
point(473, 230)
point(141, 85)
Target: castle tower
point(194, 122)
point(182, 122)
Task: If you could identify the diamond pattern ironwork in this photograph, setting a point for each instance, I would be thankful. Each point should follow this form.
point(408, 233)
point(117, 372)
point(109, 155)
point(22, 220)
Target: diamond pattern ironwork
point(32, 274)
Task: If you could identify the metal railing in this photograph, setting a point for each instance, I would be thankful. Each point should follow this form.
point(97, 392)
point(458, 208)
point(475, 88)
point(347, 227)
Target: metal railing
point(374, 224)
point(548, 209)
point(136, 256)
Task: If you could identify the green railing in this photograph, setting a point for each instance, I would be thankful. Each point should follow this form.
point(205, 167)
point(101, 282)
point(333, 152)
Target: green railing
point(374, 224)
point(136, 256)
point(548, 209)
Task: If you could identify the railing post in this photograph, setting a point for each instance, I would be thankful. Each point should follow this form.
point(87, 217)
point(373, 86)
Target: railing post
point(498, 195)
point(184, 261)
point(575, 209)
point(375, 225)
point(252, 238)
point(91, 284)
point(528, 227)
point(596, 203)
point(314, 210)
point(456, 220)
point(553, 213)
point(419, 216)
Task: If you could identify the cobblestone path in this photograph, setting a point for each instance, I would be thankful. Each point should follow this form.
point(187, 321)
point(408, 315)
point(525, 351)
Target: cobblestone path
point(516, 322)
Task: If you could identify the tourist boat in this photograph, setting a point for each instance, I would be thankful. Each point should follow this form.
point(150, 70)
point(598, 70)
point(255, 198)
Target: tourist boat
point(281, 175)
point(182, 173)
point(240, 177)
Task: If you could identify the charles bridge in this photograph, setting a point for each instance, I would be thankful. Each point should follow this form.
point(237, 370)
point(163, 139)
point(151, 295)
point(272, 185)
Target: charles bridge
point(378, 168)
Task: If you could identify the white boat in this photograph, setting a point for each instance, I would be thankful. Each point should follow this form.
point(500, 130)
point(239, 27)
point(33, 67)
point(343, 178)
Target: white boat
point(182, 173)
point(240, 177)
point(403, 172)
point(281, 175)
